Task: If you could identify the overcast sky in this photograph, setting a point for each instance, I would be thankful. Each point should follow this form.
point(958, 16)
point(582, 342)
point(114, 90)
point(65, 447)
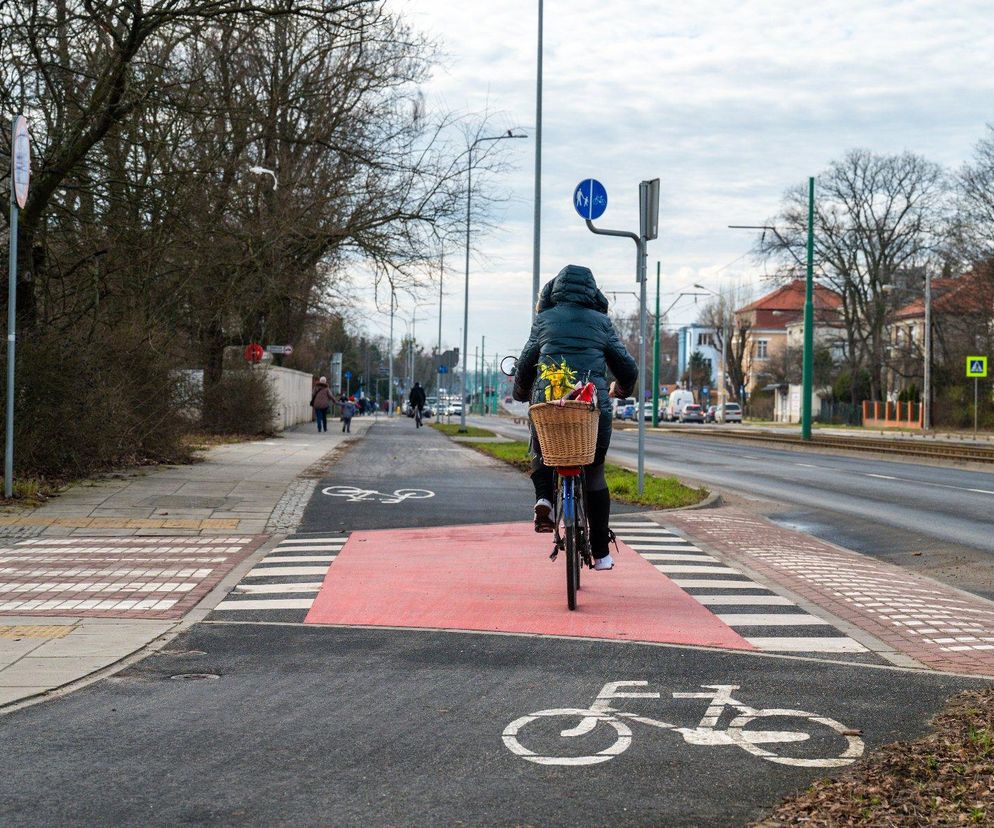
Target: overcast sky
point(728, 102)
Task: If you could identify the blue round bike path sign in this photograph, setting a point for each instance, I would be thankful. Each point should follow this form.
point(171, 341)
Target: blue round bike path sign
point(590, 199)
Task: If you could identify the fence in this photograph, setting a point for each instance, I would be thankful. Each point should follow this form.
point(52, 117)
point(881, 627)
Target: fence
point(893, 414)
point(840, 413)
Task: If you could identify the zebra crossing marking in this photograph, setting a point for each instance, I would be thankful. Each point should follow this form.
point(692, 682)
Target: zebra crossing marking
point(743, 604)
point(282, 586)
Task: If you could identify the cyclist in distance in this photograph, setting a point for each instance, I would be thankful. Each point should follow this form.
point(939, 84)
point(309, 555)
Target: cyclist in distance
point(417, 400)
point(571, 324)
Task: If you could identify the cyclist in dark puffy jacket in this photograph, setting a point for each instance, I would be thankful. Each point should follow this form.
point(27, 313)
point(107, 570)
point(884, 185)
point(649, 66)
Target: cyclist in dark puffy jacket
point(572, 325)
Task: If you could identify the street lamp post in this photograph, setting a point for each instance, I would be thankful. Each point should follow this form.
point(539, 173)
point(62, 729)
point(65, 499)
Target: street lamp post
point(807, 376)
point(537, 229)
point(465, 320)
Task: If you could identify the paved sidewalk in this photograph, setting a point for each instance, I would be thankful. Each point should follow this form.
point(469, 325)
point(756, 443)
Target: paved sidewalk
point(240, 488)
point(112, 565)
point(931, 624)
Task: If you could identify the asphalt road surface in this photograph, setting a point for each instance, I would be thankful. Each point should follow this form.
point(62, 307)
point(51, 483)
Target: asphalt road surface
point(322, 726)
point(928, 518)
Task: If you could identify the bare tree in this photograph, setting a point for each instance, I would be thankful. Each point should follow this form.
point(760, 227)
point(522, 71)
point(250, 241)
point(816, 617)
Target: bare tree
point(877, 219)
point(719, 314)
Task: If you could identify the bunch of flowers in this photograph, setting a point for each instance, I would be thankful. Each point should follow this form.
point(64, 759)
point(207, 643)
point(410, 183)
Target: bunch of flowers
point(560, 378)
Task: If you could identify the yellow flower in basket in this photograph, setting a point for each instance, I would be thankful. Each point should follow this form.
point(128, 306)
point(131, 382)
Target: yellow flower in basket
point(561, 379)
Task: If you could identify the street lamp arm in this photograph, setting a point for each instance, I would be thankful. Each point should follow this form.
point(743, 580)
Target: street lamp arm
point(775, 232)
point(265, 171)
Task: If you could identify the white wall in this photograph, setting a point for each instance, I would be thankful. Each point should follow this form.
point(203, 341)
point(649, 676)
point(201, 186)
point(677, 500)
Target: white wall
point(293, 395)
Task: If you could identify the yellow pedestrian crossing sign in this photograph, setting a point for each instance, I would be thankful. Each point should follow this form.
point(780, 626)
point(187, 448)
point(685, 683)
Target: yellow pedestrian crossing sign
point(976, 366)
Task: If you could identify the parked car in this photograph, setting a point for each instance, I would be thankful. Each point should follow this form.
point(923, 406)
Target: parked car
point(692, 413)
point(628, 412)
point(729, 413)
point(678, 400)
point(620, 406)
point(710, 416)
point(454, 409)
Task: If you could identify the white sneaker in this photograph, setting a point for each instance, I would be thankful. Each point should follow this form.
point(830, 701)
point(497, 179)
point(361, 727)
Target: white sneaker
point(607, 562)
point(543, 516)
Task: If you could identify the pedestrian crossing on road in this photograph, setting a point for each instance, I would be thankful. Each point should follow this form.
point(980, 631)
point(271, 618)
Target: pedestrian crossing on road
point(768, 621)
point(283, 585)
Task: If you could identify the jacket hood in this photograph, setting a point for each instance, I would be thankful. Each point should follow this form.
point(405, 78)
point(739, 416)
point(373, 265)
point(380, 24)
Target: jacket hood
point(575, 285)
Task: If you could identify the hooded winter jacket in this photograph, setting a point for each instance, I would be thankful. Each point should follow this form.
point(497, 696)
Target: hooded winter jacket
point(572, 325)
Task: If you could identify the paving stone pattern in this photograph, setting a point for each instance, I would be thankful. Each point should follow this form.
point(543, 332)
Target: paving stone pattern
point(938, 626)
point(136, 577)
point(767, 620)
point(289, 510)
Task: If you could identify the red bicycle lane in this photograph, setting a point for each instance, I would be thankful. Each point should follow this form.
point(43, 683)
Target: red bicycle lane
point(498, 578)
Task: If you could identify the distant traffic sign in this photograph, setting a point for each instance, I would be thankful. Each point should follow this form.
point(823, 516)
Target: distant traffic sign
point(590, 199)
point(976, 366)
point(347, 375)
point(21, 161)
point(253, 352)
point(443, 369)
point(280, 349)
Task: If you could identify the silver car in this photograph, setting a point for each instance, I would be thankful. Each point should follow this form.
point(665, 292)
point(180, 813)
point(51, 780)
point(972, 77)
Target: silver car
point(729, 413)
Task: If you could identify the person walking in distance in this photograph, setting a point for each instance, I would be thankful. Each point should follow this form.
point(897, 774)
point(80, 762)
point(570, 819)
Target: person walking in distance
point(417, 400)
point(348, 412)
point(321, 402)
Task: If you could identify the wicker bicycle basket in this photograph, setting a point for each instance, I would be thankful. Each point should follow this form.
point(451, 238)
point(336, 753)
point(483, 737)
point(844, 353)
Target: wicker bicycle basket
point(567, 432)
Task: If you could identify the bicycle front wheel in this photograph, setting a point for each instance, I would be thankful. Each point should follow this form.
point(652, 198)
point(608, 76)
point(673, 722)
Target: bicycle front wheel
point(831, 744)
point(572, 541)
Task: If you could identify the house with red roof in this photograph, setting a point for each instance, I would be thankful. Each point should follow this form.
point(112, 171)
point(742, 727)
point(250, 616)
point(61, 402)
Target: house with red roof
point(775, 322)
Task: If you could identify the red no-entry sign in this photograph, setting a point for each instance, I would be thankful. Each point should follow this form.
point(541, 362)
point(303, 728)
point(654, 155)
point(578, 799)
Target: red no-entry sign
point(254, 352)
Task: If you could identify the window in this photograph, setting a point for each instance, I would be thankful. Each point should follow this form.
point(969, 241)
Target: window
point(762, 349)
point(705, 339)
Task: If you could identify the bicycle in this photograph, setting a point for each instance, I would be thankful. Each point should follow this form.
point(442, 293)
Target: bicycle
point(572, 530)
point(705, 734)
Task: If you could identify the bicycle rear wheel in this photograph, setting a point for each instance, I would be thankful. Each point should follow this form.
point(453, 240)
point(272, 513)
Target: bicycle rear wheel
point(572, 541)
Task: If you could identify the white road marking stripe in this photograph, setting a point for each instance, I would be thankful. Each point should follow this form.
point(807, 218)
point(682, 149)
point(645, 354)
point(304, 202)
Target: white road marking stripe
point(880, 476)
point(744, 600)
point(653, 539)
point(339, 539)
point(681, 569)
point(841, 644)
point(693, 583)
point(323, 547)
point(266, 604)
point(660, 547)
point(660, 541)
point(299, 559)
point(628, 524)
point(266, 571)
point(662, 556)
point(770, 619)
point(311, 586)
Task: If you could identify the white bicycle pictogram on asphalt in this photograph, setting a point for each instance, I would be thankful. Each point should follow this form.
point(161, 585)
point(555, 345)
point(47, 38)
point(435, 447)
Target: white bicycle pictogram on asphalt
point(707, 733)
point(356, 495)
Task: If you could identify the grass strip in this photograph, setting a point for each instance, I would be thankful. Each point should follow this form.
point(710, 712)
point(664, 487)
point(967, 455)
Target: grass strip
point(660, 492)
point(945, 778)
point(452, 430)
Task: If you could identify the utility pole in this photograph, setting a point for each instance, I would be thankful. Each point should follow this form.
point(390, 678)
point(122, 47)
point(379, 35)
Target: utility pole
point(655, 358)
point(809, 320)
point(390, 380)
point(927, 390)
point(537, 221)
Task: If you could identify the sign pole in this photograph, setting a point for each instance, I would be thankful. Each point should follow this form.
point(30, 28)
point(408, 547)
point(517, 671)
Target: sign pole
point(8, 462)
point(976, 400)
point(20, 179)
point(590, 201)
point(655, 359)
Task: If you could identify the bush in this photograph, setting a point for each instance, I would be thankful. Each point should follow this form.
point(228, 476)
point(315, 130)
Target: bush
point(82, 406)
point(243, 402)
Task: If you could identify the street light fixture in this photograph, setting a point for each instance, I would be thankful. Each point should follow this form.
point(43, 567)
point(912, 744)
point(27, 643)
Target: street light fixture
point(465, 321)
point(265, 171)
point(807, 374)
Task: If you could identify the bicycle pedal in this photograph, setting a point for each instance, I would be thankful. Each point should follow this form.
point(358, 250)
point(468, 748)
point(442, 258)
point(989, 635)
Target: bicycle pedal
point(555, 553)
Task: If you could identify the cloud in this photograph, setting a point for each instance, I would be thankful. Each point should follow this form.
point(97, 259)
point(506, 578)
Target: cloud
point(729, 103)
